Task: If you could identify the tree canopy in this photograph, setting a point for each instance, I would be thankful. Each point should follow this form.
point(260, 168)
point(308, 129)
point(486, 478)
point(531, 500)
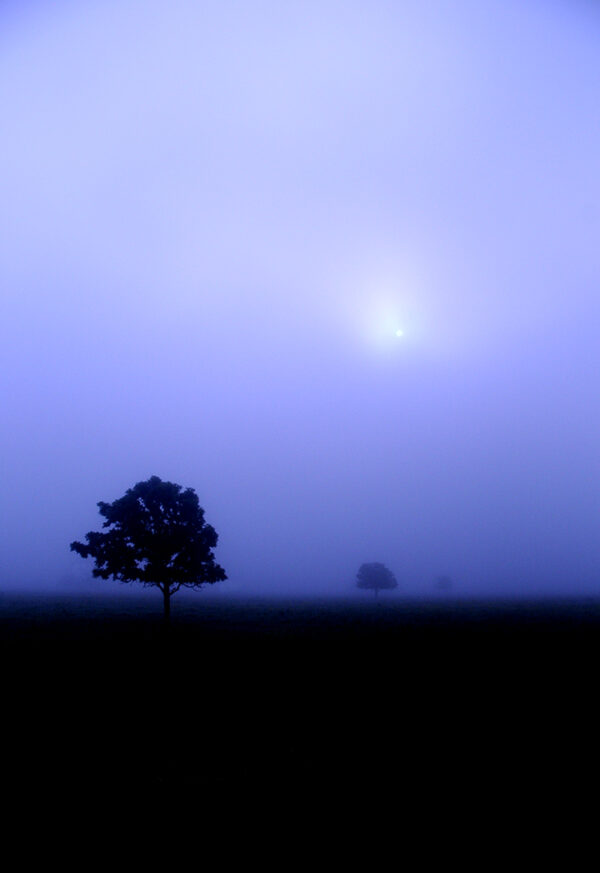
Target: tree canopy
point(375, 577)
point(155, 534)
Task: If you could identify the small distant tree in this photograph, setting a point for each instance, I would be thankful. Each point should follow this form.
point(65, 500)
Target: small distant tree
point(443, 583)
point(376, 577)
point(155, 534)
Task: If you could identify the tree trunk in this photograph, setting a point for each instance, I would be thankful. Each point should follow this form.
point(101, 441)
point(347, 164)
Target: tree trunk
point(167, 605)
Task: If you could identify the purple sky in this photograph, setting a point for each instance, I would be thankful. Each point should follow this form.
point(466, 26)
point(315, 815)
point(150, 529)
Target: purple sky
point(215, 217)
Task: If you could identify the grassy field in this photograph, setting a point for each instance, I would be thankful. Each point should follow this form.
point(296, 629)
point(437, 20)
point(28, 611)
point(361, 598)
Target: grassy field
point(266, 704)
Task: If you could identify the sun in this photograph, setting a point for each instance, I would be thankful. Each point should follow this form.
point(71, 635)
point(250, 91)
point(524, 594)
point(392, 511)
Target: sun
point(399, 332)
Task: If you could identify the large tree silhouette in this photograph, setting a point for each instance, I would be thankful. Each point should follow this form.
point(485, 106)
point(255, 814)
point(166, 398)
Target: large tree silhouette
point(155, 534)
point(375, 576)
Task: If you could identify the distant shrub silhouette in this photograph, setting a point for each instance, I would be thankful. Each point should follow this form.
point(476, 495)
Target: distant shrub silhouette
point(443, 583)
point(156, 535)
point(376, 577)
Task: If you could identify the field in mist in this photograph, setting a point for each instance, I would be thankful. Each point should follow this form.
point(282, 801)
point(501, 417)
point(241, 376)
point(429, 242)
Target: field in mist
point(313, 285)
point(257, 704)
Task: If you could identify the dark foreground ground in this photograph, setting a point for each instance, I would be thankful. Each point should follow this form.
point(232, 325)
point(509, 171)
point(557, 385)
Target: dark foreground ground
point(267, 709)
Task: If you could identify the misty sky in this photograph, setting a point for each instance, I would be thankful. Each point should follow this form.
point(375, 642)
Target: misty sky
point(215, 218)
